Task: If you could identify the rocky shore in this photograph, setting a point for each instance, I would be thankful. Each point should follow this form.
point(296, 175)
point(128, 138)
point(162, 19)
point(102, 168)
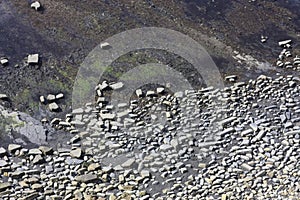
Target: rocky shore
point(241, 142)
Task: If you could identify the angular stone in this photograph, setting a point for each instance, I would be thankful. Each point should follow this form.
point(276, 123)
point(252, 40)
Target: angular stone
point(116, 86)
point(2, 152)
point(53, 107)
point(38, 159)
point(46, 150)
point(14, 147)
point(59, 96)
point(87, 178)
point(35, 152)
point(93, 167)
point(77, 153)
point(33, 59)
point(128, 163)
point(4, 186)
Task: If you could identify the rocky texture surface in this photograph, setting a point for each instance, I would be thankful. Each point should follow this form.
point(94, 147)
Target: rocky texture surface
point(238, 142)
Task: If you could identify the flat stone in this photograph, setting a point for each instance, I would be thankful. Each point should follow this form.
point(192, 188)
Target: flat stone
point(3, 61)
point(59, 96)
point(77, 153)
point(53, 107)
point(14, 147)
point(73, 161)
point(38, 159)
point(105, 45)
point(3, 163)
point(3, 97)
point(33, 59)
point(46, 150)
point(2, 152)
point(35, 152)
point(87, 178)
point(50, 97)
point(4, 186)
point(93, 166)
point(116, 86)
point(128, 163)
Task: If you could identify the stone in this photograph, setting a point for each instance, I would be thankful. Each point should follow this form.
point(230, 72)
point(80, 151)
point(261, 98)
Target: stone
point(33, 59)
point(35, 152)
point(51, 97)
point(4, 186)
point(42, 99)
point(59, 96)
point(116, 86)
point(3, 163)
point(77, 153)
point(139, 93)
point(87, 178)
point(36, 5)
point(46, 150)
point(3, 61)
point(105, 45)
point(53, 107)
point(14, 147)
point(94, 166)
point(284, 42)
point(38, 159)
point(2, 152)
point(3, 97)
point(128, 163)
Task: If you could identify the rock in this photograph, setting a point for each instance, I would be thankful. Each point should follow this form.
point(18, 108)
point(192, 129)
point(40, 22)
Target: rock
point(59, 96)
point(4, 186)
point(53, 107)
point(3, 97)
point(116, 86)
point(105, 45)
point(38, 159)
point(2, 152)
point(93, 167)
point(51, 97)
point(36, 5)
point(3, 61)
point(160, 90)
point(284, 43)
point(14, 147)
point(33, 59)
point(35, 152)
point(77, 153)
point(139, 93)
point(128, 163)
point(145, 173)
point(46, 150)
point(3, 163)
point(42, 99)
point(87, 178)
point(246, 167)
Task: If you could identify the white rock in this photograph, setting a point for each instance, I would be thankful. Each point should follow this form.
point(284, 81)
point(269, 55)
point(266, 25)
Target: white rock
point(4, 61)
point(42, 99)
point(33, 58)
point(36, 5)
point(53, 107)
point(139, 92)
point(116, 86)
point(284, 42)
point(59, 96)
point(104, 45)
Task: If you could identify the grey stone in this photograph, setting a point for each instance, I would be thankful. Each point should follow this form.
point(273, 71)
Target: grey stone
point(87, 178)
